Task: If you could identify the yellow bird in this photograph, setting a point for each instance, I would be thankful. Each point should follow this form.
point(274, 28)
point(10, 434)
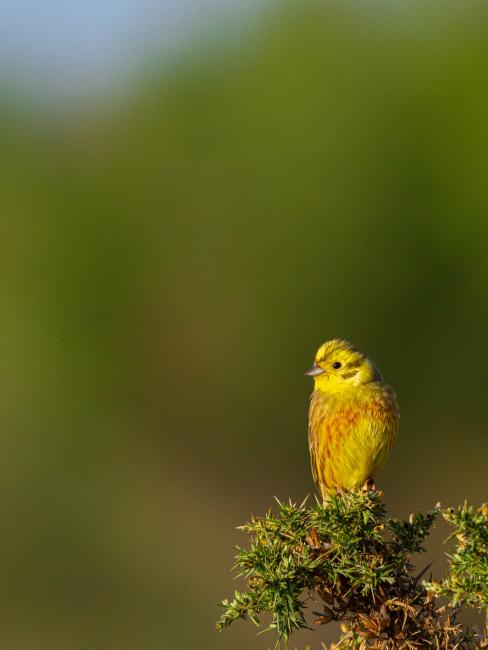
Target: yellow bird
point(353, 418)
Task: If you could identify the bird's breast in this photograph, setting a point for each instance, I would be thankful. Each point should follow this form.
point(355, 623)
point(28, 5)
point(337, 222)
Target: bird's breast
point(350, 435)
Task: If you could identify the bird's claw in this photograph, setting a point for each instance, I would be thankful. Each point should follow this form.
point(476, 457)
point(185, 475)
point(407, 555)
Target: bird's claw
point(369, 485)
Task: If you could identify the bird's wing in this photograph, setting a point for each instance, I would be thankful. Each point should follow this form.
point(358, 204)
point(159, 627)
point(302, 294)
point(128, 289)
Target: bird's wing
point(317, 415)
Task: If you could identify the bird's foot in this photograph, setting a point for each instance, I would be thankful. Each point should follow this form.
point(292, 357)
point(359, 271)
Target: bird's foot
point(369, 485)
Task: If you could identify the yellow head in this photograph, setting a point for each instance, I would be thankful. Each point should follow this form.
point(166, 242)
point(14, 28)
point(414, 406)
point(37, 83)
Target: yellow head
point(339, 367)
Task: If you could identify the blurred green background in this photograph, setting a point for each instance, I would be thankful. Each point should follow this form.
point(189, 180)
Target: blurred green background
point(173, 255)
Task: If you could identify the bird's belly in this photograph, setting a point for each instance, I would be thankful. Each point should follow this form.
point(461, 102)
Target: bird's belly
point(350, 440)
point(362, 453)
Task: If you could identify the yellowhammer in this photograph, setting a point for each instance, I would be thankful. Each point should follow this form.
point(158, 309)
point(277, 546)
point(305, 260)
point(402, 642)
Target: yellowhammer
point(353, 418)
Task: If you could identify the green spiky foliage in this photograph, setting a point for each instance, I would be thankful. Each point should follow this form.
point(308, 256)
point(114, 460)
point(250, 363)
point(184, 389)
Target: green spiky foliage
point(346, 561)
point(467, 579)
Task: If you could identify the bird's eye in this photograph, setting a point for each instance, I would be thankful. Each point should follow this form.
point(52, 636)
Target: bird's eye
point(336, 365)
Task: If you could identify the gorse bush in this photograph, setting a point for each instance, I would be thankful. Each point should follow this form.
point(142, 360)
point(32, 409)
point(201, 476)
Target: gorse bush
point(355, 565)
point(467, 580)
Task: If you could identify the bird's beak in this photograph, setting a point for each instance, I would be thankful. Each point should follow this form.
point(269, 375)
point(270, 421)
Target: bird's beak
point(315, 371)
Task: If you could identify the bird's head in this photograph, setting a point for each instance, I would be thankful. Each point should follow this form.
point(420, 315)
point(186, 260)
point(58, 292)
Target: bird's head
point(339, 366)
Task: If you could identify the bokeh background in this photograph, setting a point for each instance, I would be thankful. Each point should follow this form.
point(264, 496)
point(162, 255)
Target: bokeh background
point(193, 197)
